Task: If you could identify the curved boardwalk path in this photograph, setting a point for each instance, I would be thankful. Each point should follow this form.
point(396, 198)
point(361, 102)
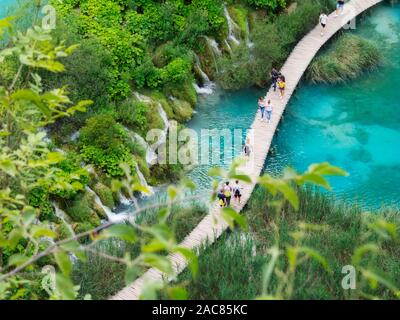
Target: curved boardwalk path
point(262, 133)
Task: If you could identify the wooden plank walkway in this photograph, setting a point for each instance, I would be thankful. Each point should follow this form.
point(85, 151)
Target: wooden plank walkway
point(261, 136)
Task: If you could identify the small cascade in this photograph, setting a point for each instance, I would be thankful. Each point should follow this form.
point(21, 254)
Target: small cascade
point(143, 181)
point(74, 136)
point(107, 210)
point(203, 75)
point(232, 25)
point(208, 85)
point(123, 199)
point(214, 46)
point(228, 46)
point(163, 116)
point(249, 43)
point(151, 156)
point(62, 216)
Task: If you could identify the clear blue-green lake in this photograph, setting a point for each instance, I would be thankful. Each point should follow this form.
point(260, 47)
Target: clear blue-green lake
point(355, 126)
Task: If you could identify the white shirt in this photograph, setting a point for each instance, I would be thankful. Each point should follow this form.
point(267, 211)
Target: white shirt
point(323, 19)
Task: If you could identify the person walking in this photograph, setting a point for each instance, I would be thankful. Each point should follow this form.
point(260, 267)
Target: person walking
point(268, 111)
point(274, 78)
point(221, 198)
point(323, 20)
point(339, 7)
point(282, 85)
point(236, 191)
point(228, 194)
point(247, 148)
point(261, 106)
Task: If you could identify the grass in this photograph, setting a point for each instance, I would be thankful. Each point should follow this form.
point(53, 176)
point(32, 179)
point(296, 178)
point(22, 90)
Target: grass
point(232, 268)
point(347, 58)
point(102, 278)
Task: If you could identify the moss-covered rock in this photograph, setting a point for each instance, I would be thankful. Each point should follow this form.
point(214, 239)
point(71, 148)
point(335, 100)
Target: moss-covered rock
point(183, 110)
point(105, 194)
point(80, 208)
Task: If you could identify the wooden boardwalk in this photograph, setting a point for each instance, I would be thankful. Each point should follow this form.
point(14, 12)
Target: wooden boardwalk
point(261, 136)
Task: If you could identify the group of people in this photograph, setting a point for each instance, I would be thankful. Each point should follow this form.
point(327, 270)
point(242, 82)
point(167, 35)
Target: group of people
point(323, 18)
point(278, 82)
point(264, 105)
point(225, 194)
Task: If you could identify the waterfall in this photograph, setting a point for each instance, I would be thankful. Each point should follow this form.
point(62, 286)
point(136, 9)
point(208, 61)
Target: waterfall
point(203, 75)
point(214, 46)
point(143, 181)
point(107, 210)
point(202, 90)
point(228, 46)
point(163, 115)
point(208, 85)
point(151, 156)
point(231, 25)
point(249, 43)
point(75, 136)
point(62, 216)
point(123, 199)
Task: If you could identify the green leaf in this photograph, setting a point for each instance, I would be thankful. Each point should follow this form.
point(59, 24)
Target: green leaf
point(13, 238)
point(65, 287)
point(131, 273)
point(289, 194)
point(28, 215)
point(217, 172)
point(64, 262)
point(17, 260)
point(362, 250)
point(150, 289)
point(241, 177)
point(39, 231)
point(136, 187)
point(172, 192)
point(177, 293)
point(155, 245)
point(191, 258)
point(374, 278)
point(121, 231)
point(159, 262)
point(326, 169)
point(8, 167)
point(231, 216)
point(315, 179)
point(313, 254)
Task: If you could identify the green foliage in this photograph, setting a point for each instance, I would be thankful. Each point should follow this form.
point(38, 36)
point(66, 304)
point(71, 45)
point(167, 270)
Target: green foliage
point(267, 4)
point(346, 59)
point(105, 195)
point(104, 143)
point(239, 260)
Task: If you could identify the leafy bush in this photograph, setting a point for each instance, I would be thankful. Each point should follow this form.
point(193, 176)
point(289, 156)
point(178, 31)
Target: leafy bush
point(104, 143)
point(80, 208)
point(267, 4)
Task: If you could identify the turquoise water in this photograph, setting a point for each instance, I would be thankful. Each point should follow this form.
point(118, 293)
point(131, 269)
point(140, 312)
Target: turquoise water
point(223, 110)
point(355, 126)
point(5, 5)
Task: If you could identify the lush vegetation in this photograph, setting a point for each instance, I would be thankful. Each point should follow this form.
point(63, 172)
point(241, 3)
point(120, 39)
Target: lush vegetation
point(234, 267)
point(347, 58)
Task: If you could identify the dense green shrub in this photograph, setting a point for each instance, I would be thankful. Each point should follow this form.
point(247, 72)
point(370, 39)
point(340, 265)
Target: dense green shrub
point(105, 144)
point(80, 208)
point(267, 4)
